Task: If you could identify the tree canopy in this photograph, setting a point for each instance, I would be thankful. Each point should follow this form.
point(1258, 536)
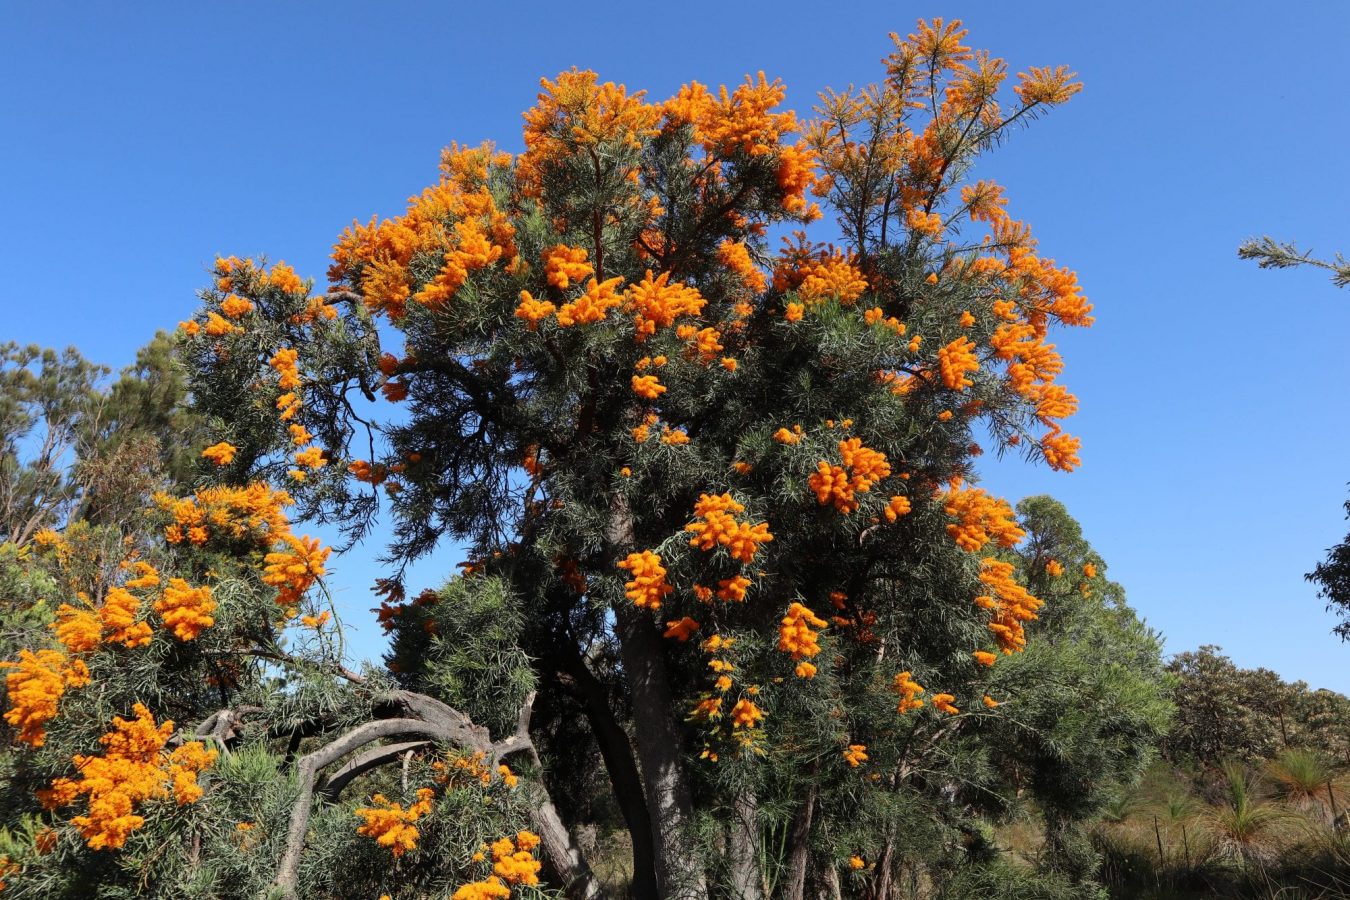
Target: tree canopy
point(732, 585)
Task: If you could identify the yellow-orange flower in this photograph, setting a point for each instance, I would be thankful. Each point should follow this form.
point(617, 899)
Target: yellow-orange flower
point(720, 528)
point(745, 714)
point(648, 586)
point(795, 633)
point(856, 755)
point(391, 825)
point(35, 686)
point(564, 265)
point(592, 306)
point(221, 454)
point(185, 609)
point(682, 629)
point(908, 690)
point(648, 387)
point(980, 519)
point(955, 360)
point(943, 703)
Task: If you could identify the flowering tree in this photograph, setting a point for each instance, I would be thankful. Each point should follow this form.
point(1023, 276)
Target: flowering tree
point(718, 502)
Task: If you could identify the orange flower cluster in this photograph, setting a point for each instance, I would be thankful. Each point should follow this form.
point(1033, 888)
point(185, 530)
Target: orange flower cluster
point(221, 454)
point(943, 703)
point(745, 714)
point(132, 770)
point(1053, 568)
point(818, 275)
point(592, 306)
point(720, 528)
point(897, 507)
point(118, 617)
point(795, 636)
point(955, 360)
point(533, 311)
point(185, 609)
point(295, 570)
point(457, 217)
point(35, 687)
point(513, 862)
point(649, 585)
point(984, 657)
point(832, 484)
point(736, 257)
point(648, 387)
point(856, 755)
point(980, 518)
point(742, 121)
point(656, 303)
point(231, 512)
point(908, 690)
point(576, 112)
point(564, 265)
point(1009, 602)
point(783, 436)
point(391, 825)
point(681, 629)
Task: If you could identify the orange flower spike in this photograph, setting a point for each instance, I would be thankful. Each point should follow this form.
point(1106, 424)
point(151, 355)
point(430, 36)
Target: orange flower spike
point(733, 589)
point(980, 519)
point(564, 266)
point(118, 618)
point(592, 306)
point(745, 714)
point(284, 361)
point(391, 825)
point(856, 755)
point(955, 360)
point(796, 635)
point(720, 528)
point(186, 610)
point(648, 387)
point(908, 690)
point(78, 630)
point(648, 586)
point(655, 303)
point(35, 685)
point(681, 630)
point(1053, 568)
point(294, 570)
point(897, 507)
point(943, 703)
point(533, 311)
point(736, 257)
point(984, 657)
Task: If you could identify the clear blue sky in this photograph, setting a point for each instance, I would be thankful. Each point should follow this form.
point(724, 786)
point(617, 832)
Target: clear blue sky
point(140, 140)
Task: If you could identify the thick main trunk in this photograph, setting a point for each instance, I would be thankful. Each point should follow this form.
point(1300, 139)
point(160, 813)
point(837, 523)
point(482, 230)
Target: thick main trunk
point(678, 872)
point(743, 849)
point(617, 753)
point(799, 849)
point(658, 745)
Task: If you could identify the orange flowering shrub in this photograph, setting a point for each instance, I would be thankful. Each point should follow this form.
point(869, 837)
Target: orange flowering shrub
point(134, 769)
point(35, 684)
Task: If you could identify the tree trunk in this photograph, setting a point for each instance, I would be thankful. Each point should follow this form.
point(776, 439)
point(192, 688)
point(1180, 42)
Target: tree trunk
point(617, 753)
point(658, 746)
point(657, 736)
point(799, 852)
point(743, 848)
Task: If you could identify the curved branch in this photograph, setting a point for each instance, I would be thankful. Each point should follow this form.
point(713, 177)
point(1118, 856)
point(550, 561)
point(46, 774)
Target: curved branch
point(429, 721)
point(371, 759)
